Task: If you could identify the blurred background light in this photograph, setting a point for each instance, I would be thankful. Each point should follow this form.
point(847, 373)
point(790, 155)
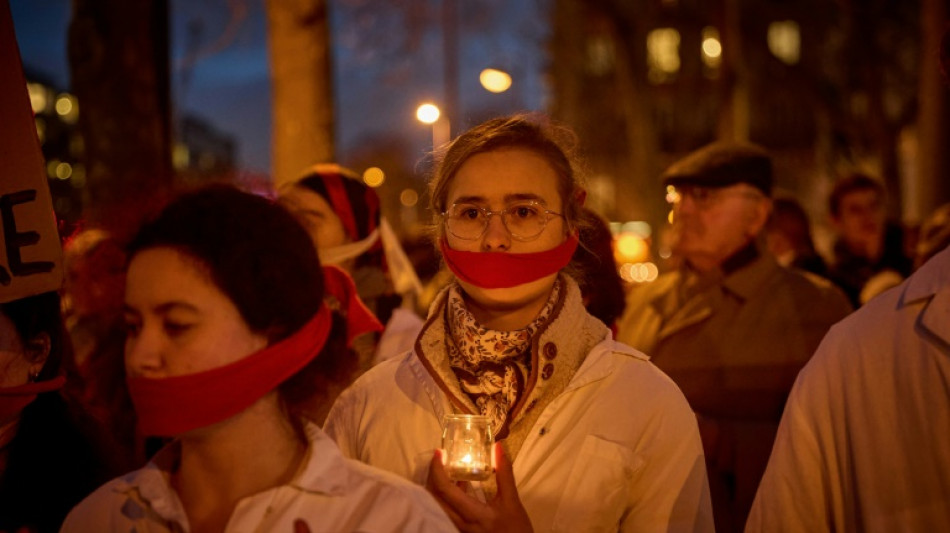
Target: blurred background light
point(374, 176)
point(408, 197)
point(711, 47)
point(784, 41)
point(427, 113)
point(494, 80)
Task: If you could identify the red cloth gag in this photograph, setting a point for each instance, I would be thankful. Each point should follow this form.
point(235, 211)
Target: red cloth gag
point(15, 399)
point(174, 405)
point(359, 319)
point(500, 270)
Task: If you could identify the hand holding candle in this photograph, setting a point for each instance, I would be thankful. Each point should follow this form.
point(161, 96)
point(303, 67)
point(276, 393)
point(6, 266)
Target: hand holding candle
point(502, 514)
point(467, 444)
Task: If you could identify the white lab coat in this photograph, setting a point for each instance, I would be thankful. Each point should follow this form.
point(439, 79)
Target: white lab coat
point(615, 449)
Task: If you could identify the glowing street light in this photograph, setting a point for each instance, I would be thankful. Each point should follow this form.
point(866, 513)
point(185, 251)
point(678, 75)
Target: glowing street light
point(494, 80)
point(428, 113)
point(711, 47)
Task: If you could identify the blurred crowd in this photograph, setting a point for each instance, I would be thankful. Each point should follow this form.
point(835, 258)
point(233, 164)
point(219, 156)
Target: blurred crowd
point(252, 363)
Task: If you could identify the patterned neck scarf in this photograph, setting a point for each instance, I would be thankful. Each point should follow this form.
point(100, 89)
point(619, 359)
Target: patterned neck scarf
point(492, 366)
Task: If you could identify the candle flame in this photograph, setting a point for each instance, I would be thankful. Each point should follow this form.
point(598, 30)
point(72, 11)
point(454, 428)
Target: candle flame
point(467, 459)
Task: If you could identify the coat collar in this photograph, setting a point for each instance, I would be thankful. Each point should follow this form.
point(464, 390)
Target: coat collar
point(932, 280)
point(747, 281)
point(557, 351)
point(929, 278)
point(430, 351)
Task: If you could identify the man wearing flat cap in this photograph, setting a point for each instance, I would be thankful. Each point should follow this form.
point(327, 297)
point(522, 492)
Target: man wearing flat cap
point(731, 326)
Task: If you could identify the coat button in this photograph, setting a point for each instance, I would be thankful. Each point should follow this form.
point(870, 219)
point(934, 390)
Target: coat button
point(547, 371)
point(550, 350)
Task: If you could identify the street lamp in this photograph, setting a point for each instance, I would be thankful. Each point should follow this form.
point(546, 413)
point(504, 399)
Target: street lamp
point(429, 113)
point(495, 80)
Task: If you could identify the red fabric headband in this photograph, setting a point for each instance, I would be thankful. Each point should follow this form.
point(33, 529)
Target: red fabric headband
point(359, 319)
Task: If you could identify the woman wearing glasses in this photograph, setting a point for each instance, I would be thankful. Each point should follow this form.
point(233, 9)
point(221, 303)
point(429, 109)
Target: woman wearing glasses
point(595, 438)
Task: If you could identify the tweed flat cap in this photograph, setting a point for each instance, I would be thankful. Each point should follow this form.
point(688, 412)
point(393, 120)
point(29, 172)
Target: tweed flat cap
point(721, 164)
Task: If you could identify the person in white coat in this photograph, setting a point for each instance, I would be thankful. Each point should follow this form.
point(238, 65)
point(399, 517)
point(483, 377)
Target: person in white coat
point(863, 442)
point(595, 437)
point(228, 336)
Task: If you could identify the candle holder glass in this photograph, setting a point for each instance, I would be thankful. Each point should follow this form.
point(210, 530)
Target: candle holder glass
point(467, 445)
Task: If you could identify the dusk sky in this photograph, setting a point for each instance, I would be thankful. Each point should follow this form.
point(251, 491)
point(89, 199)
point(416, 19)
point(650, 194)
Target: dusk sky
point(382, 71)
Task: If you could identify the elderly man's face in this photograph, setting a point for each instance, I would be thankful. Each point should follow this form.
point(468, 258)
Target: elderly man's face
point(711, 224)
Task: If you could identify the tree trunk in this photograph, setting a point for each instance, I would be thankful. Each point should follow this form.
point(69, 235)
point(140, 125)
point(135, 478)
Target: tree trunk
point(933, 119)
point(299, 47)
point(118, 56)
point(734, 115)
point(450, 66)
point(641, 188)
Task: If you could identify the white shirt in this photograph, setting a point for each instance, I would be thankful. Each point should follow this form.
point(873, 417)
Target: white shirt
point(331, 494)
point(864, 443)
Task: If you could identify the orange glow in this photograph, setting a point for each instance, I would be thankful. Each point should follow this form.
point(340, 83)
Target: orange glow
point(638, 272)
point(408, 197)
point(374, 176)
point(631, 248)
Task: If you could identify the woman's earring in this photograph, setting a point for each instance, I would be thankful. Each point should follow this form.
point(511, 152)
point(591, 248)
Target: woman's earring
point(32, 375)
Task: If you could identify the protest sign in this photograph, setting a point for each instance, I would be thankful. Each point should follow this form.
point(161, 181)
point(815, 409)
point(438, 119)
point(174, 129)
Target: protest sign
point(30, 250)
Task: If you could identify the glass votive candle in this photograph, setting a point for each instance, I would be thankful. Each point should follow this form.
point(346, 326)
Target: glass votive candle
point(467, 447)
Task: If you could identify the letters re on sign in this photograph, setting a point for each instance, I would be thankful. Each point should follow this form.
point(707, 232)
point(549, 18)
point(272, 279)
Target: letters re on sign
point(30, 251)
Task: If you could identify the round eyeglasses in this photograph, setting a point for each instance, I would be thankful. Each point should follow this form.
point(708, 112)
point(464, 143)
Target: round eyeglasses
point(524, 220)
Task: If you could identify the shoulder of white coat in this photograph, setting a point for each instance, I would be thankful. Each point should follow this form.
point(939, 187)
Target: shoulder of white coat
point(374, 387)
point(366, 388)
point(634, 373)
point(868, 333)
point(622, 349)
point(382, 372)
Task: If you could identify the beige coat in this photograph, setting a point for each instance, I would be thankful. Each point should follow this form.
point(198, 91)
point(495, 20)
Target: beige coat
point(734, 348)
point(601, 441)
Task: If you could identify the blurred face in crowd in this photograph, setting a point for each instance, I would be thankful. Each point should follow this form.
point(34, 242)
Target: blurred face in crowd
point(523, 182)
point(778, 244)
point(711, 224)
point(860, 220)
point(316, 215)
point(95, 281)
point(178, 322)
